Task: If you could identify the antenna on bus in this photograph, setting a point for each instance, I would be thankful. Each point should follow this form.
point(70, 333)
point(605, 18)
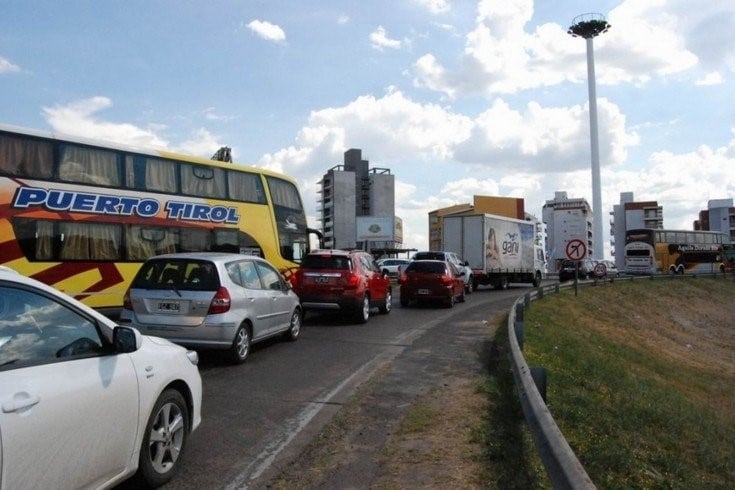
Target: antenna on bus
point(224, 154)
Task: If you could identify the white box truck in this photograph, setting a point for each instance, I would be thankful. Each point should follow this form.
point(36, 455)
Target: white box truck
point(499, 250)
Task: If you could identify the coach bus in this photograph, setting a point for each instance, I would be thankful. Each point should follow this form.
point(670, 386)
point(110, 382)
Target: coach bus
point(82, 216)
point(649, 251)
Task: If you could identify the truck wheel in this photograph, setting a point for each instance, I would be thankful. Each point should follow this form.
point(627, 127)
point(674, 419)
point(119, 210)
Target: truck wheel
point(475, 284)
point(537, 280)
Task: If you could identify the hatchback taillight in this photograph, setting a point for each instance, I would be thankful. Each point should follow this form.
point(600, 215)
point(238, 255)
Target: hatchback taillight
point(221, 302)
point(446, 280)
point(127, 304)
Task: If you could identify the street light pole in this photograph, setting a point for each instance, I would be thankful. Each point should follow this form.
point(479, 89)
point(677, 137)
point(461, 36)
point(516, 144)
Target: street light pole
point(588, 26)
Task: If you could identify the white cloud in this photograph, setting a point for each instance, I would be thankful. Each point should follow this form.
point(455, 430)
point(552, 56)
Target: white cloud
point(711, 78)
point(79, 119)
point(379, 40)
point(267, 31)
point(8, 67)
point(434, 6)
point(501, 56)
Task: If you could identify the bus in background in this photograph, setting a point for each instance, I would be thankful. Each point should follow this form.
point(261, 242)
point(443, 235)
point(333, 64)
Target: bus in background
point(649, 251)
point(82, 216)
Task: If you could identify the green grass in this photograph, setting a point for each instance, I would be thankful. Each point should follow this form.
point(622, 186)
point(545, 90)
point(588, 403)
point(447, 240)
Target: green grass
point(643, 392)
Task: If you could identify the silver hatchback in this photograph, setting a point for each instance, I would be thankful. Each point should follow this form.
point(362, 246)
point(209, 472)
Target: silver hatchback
point(213, 301)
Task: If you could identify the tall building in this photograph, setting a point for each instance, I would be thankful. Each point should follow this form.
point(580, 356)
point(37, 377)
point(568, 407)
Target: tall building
point(631, 215)
point(566, 219)
point(357, 201)
point(719, 216)
point(511, 207)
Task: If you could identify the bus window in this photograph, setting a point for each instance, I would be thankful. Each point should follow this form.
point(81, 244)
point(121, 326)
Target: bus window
point(195, 240)
point(244, 186)
point(88, 166)
point(25, 157)
point(87, 241)
point(143, 242)
point(153, 174)
point(197, 180)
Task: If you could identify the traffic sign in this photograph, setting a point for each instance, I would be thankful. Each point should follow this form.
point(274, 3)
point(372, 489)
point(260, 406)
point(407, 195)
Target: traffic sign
point(600, 270)
point(576, 249)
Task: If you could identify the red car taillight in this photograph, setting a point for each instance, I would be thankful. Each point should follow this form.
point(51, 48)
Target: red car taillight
point(221, 302)
point(127, 304)
point(351, 280)
point(447, 281)
point(295, 279)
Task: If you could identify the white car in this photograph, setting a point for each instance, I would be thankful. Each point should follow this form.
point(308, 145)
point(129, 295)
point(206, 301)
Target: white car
point(86, 403)
point(392, 267)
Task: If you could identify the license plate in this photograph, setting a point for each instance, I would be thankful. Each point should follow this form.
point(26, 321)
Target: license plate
point(424, 291)
point(169, 306)
point(321, 280)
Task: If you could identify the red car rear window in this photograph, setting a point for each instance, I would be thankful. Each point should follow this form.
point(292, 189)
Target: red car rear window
point(325, 262)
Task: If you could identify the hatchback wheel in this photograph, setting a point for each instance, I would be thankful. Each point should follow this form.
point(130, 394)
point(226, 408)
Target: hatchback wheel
point(364, 312)
point(295, 327)
point(240, 345)
point(450, 301)
point(165, 437)
point(388, 303)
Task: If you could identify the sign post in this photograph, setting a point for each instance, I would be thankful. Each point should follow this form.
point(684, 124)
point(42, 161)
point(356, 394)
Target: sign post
point(576, 250)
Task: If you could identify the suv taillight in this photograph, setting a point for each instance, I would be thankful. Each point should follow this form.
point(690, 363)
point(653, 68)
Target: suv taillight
point(295, 279)
point(127, 304)
point(351, 280)
point(221, 302)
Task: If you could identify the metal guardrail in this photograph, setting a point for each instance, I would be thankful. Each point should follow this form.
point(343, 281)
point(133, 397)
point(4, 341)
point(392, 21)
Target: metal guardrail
point(562, 466)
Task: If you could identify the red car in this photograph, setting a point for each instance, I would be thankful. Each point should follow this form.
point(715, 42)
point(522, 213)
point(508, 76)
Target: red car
point(340, 280)
point(432, 280)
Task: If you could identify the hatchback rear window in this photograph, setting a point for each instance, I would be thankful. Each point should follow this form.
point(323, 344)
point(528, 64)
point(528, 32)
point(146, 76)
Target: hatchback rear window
point(326, 262)
point(426, 267)
point(178, 274)
point(429, 256)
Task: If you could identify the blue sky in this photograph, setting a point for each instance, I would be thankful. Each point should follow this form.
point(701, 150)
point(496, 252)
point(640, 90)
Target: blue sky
point(456, 97)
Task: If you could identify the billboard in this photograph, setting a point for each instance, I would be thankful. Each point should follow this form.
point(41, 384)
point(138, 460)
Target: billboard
point(375, 229)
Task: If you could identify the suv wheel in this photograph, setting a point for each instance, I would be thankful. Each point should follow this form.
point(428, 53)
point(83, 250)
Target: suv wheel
point(387, 304)
point(364, 312)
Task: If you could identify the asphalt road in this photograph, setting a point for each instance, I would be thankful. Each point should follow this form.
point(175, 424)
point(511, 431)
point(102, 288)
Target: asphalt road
point(258, 415)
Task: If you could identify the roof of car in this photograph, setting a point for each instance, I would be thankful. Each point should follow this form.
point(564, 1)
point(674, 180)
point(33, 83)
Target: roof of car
point(335, 251)
point(211, 256)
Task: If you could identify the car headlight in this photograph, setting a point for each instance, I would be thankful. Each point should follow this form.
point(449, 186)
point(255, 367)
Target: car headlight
point(193, 356)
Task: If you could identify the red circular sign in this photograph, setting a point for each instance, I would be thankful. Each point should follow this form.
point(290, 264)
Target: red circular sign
point(576, 249)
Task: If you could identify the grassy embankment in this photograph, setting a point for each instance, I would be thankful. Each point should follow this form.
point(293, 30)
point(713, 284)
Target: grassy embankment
point(641, 379)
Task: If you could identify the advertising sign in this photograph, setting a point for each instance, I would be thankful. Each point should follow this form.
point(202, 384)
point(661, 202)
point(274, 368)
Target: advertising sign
point(374, 229)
